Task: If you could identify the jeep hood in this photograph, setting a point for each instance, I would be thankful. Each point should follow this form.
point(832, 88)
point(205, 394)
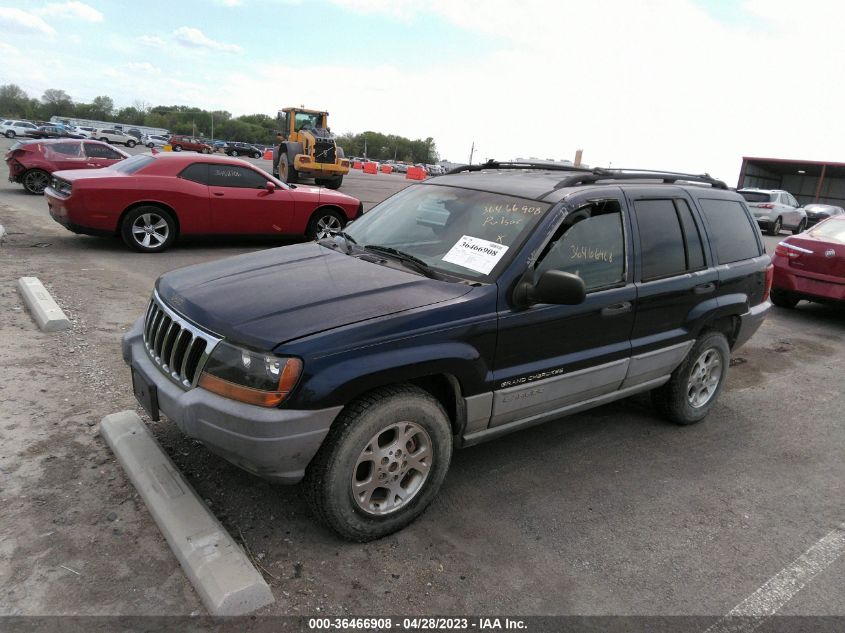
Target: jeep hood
point(264, 299)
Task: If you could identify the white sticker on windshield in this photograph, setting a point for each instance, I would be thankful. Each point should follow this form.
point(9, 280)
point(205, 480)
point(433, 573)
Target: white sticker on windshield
point(476, 254)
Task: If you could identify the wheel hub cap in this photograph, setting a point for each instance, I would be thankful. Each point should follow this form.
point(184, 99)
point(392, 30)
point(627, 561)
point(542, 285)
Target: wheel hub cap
point(704, 378)
point(392, 468)
point(150, 230)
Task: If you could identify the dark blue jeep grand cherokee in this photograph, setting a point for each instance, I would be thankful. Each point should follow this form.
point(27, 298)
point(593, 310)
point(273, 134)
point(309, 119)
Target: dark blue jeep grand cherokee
point(460, 309)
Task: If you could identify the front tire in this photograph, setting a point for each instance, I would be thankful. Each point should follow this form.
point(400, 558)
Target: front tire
point(10, 134)
point(235, 153)
point(381, 464)
point(287, 173)
point(802, 225)
point(775, 228)
point(696, 383)
point(783, 299)
point(324, 223)
point(148, 229)
point(131, 143)
point(256, 155)
point(104, 139)
point(177, 148)
point(35, 181)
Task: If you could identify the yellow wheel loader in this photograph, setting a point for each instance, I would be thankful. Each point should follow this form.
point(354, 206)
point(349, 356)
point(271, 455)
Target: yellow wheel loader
point(306, 149)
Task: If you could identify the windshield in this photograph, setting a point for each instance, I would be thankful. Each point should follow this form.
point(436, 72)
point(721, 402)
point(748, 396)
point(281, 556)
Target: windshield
point(133, 164)
point(757, 196)
point(471, 234)
point(833, 230)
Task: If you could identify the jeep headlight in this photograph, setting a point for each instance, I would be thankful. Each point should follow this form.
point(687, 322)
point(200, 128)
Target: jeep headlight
point(253, 377)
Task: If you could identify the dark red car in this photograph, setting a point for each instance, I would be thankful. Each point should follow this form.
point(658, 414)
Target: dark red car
point(811, 265)
point(31, 162)
point(150, 199)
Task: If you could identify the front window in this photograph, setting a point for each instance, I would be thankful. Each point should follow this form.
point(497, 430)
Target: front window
point(470, 234)
point(307, 121)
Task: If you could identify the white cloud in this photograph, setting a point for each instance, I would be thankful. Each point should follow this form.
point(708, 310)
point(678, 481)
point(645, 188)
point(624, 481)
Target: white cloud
point(400, 9)
point(73, 10)
point(146, 67)
point(19, 21)
point(194, 38)
point(153, 41)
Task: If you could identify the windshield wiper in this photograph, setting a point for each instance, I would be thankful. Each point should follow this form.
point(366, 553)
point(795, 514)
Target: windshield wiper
point(404, 257)
point(348, 239)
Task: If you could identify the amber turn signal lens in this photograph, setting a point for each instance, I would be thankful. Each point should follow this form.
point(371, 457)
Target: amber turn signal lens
point(259, 397)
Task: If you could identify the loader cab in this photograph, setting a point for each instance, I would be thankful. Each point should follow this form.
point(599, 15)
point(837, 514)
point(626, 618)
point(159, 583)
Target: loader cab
point(294, 121)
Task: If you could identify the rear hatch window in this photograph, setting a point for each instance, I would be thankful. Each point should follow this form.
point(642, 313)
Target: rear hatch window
point(757, 196)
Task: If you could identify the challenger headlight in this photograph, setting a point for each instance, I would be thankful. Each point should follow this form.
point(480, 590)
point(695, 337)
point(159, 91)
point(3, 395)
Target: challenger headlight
point(252, 377)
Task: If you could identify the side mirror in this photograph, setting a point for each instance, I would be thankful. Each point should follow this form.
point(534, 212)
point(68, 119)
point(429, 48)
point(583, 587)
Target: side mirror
point(270, 186)
point(554, 286)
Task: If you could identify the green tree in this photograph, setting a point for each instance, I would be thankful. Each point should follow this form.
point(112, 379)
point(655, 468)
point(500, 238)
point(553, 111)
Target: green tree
point(102, 108)
point(57, 102)
point(14, 102)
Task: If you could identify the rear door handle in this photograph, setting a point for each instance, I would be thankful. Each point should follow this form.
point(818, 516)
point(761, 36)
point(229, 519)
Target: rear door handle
point(703, 289)
point(619, 308)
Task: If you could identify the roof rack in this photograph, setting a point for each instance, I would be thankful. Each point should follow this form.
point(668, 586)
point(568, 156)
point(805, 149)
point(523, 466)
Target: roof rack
point(669, 177)
point(494, 164)
point(584, 176)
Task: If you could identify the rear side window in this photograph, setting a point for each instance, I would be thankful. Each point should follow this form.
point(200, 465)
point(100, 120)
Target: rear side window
point(235, 176)
point(669, 240)
point(731, 233)
point(198, 172)
point(133, 164)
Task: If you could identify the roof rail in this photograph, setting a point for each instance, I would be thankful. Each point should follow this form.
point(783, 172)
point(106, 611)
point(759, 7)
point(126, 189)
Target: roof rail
point(599, 173)
point(584, 175)
point(494, 164)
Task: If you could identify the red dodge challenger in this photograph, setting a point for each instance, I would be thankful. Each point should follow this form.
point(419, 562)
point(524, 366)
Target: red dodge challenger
point(151, 199)
point(811, 265)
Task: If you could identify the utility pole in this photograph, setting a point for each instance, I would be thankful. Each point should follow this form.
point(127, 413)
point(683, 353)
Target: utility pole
point(365, 147)
point(471, 152)
point(212, 126)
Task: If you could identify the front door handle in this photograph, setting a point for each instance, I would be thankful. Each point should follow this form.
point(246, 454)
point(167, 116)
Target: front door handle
point(217, 193)
point(703, 289)
point(616, 309)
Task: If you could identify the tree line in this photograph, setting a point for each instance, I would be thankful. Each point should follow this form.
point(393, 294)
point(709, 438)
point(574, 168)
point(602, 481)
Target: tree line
point(180, 119)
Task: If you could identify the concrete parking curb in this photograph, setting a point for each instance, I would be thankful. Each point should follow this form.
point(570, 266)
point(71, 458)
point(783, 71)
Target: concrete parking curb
point(46, 312)
point(219, 570)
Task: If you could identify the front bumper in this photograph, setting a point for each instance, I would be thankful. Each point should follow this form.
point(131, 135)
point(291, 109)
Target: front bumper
point(276, 444)
point(750, 322)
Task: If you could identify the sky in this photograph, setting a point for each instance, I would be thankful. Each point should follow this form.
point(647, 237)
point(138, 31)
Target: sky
point(683, 85)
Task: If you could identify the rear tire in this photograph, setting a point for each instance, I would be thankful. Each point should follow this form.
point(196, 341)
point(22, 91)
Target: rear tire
point(131, 143)
point(775, 228)
point(324, 223)
point(235, 153)
point(802, 226)
point(177, 148)
point(334, 183)
point(783, 299)
point(10, 134)
point(696, 383)
point(104, 139)
point(148, 229)
point(397, 436)
point(256, 155)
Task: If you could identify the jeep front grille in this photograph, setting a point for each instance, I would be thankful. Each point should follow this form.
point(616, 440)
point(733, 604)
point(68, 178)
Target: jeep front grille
point(177, 347)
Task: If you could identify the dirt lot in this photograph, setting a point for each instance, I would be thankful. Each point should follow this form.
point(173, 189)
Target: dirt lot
point(609, 512)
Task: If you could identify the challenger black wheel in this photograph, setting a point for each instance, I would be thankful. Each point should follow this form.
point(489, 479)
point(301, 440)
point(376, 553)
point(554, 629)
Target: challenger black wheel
point(381, 464)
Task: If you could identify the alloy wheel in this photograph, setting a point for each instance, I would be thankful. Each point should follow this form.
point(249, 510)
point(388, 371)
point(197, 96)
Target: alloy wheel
point(36, 181)
point(392, 468)
point(327, 226)
point(150, 230)
point(704, 378)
